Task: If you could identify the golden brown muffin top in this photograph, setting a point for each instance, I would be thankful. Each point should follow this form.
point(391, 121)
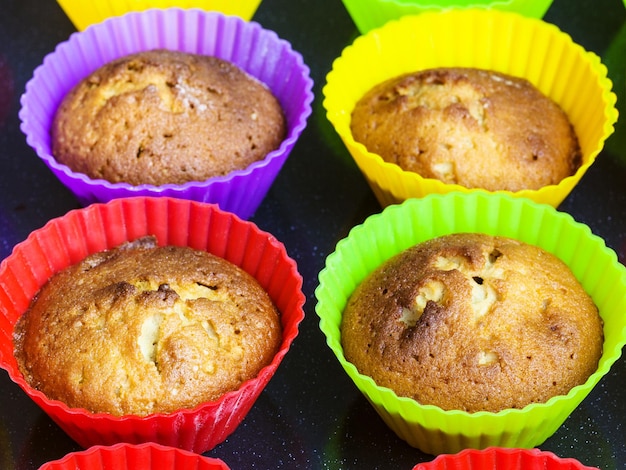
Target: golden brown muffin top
point(476, 128)
point(161, 116)
point(143, 329)
point(473, 322)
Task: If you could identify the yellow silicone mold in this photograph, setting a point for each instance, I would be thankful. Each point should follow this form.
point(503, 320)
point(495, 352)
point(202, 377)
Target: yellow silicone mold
point(430, 428)
point(488, 39)
point(83, 14)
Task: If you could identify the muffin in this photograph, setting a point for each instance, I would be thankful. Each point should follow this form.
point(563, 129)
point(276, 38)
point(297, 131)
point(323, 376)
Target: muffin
point(143, 329)
point(68, 240)
point(473, 322)
point(165, 116)
point(370, 14)
point(485, 39)
point(401, 226)
point(468, 126)
point(123, 456)
point(85, 14)
point(500, 458)
point(259, 52)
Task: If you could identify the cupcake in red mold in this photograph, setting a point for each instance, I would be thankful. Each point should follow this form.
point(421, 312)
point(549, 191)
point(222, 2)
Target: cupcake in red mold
point(148, 456)
point(499, 458)
point(69, 239)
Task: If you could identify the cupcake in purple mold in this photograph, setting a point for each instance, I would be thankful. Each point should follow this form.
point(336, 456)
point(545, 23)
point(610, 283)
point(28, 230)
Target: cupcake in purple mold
point(258, 52)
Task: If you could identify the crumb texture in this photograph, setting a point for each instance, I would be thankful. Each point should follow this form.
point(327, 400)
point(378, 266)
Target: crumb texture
point(143, 329)
point(160, 116)
point(472, 127)
point(475, 323)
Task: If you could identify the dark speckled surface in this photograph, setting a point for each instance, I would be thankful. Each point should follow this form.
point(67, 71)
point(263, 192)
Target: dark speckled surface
point(310, 416)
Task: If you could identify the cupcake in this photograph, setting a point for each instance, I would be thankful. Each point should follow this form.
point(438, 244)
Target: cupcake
point(431, 428)
point(473, 322)
point(166, 117)
point(148, 456)
point(496, 458)
point(173, 222)
point(467, 126)
point(142, 329)
point(370, 14)
point(561, 70)
point(83, 14)
point(258, 52)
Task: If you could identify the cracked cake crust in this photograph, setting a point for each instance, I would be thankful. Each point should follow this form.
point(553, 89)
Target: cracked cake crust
point(143, 329)
point(472, 127)
point(473, 322)
point(166, 117)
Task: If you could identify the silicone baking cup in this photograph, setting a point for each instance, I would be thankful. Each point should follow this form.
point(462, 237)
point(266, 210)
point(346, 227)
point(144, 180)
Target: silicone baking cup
point(495, 458)
point(148, 456)
point(400, 226)
point(488, 39)
point(84, 14)
point(258, 51)
point(370, 14)
point(70, 238)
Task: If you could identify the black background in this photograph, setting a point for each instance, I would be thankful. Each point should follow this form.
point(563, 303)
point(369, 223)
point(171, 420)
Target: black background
point(311, 415)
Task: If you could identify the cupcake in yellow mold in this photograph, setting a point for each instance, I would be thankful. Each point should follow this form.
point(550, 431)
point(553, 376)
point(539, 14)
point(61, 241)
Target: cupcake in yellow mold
point(501, 41)
point(83, 14)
